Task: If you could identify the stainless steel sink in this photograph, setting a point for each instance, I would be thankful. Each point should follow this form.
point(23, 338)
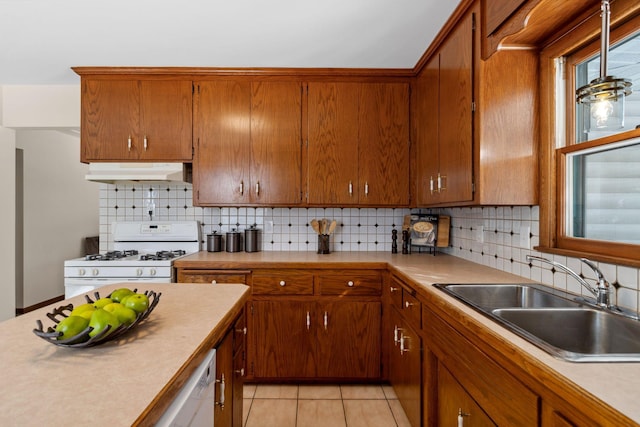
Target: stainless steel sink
point(577, 334)
point(489, 296)
point(558, 322)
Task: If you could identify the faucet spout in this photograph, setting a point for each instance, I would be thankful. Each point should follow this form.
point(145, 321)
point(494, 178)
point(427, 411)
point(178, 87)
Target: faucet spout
point(601, 293)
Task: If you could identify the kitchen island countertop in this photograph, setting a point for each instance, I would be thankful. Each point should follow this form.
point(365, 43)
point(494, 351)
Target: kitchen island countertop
point(127, 381)
point(613, 384)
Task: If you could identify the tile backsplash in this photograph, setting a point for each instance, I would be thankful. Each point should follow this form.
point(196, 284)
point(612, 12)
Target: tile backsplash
point(495, 236)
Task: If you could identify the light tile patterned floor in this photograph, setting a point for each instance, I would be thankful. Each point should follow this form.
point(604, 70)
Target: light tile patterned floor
point(303, 405)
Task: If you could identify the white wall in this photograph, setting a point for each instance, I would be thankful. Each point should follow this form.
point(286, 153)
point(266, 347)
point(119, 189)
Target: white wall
point(61, 208)
point(7, 218)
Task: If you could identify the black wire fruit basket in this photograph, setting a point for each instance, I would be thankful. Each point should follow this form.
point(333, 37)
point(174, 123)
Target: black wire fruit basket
point(83, 339)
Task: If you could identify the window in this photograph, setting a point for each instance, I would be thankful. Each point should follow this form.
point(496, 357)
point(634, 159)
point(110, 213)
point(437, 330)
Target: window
point(590, 203)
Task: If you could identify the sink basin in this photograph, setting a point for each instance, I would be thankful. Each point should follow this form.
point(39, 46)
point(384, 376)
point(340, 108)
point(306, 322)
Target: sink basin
point(577, 334)
point(556, 321)
point(492, 296)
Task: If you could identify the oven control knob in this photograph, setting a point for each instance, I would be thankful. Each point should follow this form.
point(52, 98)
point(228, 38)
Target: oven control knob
point(139, 272)
point(95, 271)
point(82, 272)
point(152, 272)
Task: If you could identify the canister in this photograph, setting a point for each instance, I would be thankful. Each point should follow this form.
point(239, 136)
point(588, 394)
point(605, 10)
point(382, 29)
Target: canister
point(234, 241)
point(252, 239)
point(214, 242)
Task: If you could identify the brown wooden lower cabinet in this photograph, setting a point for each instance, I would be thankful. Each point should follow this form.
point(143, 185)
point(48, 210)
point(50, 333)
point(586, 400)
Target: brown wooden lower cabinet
point(405, 369)
point(230, 370)
point(311, 339)
point(456, 406)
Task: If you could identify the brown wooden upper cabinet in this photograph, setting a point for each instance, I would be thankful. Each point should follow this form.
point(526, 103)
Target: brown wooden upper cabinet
point(476, 123)
point(445, 117)
point(248, 143)
point(358, 143)
point(136, 120)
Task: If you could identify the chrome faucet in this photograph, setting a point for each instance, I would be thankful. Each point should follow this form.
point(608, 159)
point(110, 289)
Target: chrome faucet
point(602, 292)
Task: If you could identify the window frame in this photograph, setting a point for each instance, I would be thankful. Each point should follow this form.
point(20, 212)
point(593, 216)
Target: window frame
point(580, 42)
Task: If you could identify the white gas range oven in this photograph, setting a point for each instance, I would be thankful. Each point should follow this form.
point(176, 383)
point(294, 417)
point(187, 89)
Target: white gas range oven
point(142, 252)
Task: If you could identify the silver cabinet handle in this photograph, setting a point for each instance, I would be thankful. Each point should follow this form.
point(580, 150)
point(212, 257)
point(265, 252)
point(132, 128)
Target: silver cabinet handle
point(145, 143)
point(221, 383)
point(397, 332)
point(258, 188)
point(366, 188)
point(282, 283)
point(350, 188)
point(403, 347)
point(241, 188)
point(431, 184)
point(461, 416)
point(308, 320)
point(129, 143)
point(350, 283)
point(326, 320)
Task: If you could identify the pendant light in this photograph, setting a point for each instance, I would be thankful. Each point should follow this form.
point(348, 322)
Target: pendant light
point(603, 98)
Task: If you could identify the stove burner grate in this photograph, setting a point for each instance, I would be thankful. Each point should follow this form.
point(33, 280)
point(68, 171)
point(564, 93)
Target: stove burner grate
point(111, 255)
point(162, 255)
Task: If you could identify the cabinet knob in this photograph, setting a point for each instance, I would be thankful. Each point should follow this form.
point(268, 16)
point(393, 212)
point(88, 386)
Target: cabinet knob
point(282, 283)
point(214, 282)
point(240, 371)
point(350, 283)
point(243, 330)
point(392, 289)
point(408, 304)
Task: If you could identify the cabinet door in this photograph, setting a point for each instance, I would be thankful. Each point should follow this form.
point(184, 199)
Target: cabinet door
point(223, 412)
point(349, 339)
point(384, 144)
point(276, 143)
point(223, 148)
point(405, 366)
point(110, 119)
point(285, 339)
point(333, 143)
point(428, 133)
point(166, 120)
point(456, 116)
point(454, 403)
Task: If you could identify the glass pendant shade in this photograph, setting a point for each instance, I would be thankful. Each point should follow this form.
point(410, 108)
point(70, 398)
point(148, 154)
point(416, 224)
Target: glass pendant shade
point(603, 98)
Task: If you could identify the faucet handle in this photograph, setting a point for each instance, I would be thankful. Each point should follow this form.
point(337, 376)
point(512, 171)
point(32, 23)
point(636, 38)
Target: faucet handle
point(596, 270)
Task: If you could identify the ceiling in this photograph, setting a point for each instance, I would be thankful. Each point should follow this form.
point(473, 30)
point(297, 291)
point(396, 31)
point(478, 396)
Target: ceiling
point(41, 39)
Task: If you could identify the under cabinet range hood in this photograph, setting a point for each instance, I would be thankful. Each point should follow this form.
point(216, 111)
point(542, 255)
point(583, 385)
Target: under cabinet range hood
point(149, 172)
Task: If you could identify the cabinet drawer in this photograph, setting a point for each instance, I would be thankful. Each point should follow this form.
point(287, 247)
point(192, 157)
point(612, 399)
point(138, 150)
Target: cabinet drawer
point(212, 276)
point(291, 282)
point(350, 283)
point(411, 308)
